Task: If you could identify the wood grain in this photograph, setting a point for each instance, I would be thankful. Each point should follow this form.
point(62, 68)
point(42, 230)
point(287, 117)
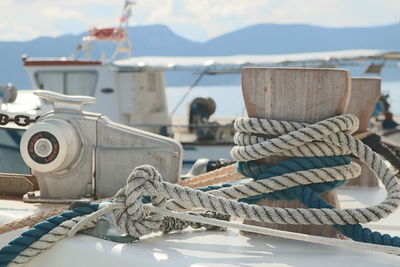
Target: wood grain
point(300, 95)
point(365, 92)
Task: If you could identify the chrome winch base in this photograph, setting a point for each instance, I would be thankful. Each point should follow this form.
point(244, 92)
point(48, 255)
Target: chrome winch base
point(80, 155)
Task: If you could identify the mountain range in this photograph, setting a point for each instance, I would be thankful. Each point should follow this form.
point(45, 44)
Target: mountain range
point(159, 40)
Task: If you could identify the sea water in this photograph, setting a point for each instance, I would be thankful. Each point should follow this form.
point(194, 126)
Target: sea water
point(230, 102)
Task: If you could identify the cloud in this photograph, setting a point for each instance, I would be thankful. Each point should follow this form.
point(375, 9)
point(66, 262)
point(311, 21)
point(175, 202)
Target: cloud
point(28, 19)
point(56, 12)
point(195, 19)
point(217, 17)
point(12, 31)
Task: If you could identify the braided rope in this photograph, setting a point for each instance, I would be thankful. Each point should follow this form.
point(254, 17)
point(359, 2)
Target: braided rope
point(229, 173)
point(258, 172)
point(184, 199)
point(146, 177)
point(51, 233)
point(221, 175)
point(299, 139)
point(326, 138)
point(33, 219)
point(31, 240)
point(30, 220)
point(47, 241)
point(283, 234)
point(131, 217)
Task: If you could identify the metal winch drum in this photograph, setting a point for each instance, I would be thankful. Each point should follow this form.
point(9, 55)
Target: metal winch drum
point(76, 154)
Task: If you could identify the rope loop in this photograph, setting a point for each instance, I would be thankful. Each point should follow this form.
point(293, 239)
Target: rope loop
point(132, 218)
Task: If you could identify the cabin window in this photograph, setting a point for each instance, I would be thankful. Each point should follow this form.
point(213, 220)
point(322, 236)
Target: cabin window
point(68, 82)
point(52, 81)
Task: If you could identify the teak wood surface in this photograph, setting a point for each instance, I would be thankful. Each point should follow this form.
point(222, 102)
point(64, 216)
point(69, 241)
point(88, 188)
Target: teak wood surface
point(365, 92)
point(300, 95)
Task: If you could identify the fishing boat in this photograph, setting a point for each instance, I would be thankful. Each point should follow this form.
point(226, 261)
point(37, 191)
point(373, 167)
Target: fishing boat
point(102, 174)
point(83, 141)
point(131, 90)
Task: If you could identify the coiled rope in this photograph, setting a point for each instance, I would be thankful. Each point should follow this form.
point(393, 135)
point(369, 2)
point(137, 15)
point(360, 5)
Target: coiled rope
point(259, 171)
point(310, 195)
point(327, 138)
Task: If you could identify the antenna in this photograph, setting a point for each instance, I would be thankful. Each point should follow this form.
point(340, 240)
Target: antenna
point(117, 35)
point(124, 46)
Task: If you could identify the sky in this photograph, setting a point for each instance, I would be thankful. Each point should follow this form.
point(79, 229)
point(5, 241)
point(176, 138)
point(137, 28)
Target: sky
point(198, 20)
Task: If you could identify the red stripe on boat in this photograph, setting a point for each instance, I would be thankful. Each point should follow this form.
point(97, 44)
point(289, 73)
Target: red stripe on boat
point(60, 63)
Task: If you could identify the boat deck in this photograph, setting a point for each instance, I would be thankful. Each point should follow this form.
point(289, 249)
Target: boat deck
point(208, 248)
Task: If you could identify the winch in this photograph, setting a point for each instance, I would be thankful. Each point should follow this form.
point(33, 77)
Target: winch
point(77, 154)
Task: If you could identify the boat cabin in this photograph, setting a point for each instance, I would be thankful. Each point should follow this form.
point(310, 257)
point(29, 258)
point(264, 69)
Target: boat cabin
point(135, 98)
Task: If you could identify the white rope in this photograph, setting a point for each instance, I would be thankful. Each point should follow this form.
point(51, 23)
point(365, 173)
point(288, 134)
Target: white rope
point(325, 138)
point(279, 233)
point(329, 137)
point(69, 228)
point(48, 240)
point(257, 229)
point(305, 139)
point(276, 183)
point(141, 182)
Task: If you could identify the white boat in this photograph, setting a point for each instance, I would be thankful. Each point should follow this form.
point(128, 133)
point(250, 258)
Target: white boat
point(132, 91)
point(97, 153)
point(99, 167)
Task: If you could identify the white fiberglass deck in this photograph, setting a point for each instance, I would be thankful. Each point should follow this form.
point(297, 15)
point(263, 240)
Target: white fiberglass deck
point(207, 248)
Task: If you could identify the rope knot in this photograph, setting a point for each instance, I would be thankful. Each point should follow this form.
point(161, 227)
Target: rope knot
point(132, 218)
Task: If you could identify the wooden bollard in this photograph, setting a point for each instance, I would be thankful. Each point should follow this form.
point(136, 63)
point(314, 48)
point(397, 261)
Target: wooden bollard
point(299, 95)
point(365, 92)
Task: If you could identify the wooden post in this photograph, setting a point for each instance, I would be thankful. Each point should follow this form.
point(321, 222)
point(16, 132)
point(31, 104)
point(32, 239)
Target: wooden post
point(365, 92)
point(300, 95)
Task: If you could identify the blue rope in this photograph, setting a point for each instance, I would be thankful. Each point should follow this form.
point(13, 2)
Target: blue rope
point(260, 171)
point(354, 231)
point(310, 195)
point(19, 244)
